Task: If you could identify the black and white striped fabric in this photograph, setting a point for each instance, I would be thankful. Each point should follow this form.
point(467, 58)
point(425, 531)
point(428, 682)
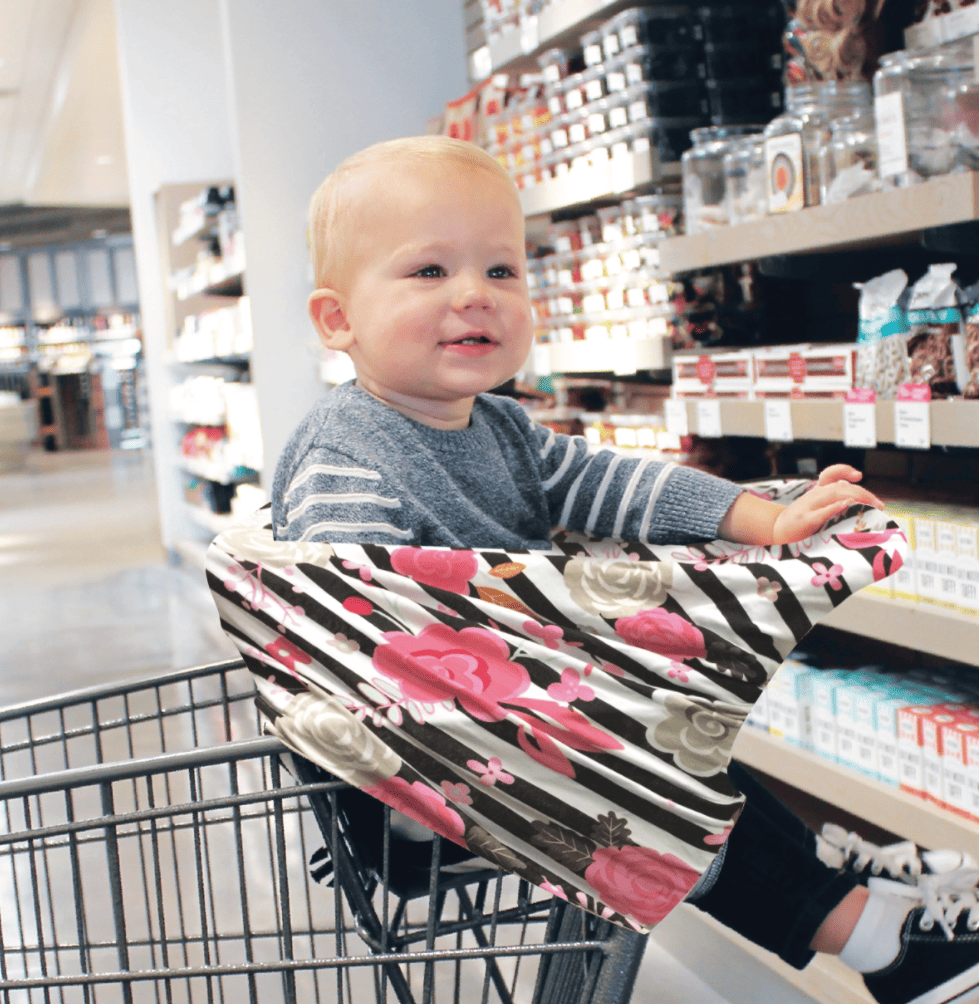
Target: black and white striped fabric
point(566, 714)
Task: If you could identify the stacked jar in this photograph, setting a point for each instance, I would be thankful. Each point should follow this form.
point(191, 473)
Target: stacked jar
point(636, 88)
point(601, 277)
point(705, 196)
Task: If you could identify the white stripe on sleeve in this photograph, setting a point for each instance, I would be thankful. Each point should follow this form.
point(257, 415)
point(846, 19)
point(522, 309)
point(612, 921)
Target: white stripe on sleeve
point(333, 471)
point(657, 490)
point(548, 444)
point(599, 500)
point(628, 494)
point(345, 498)
point(569, 455)
point(337, 527)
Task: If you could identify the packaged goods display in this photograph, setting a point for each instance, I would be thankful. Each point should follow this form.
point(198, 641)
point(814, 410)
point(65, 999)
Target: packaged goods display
point(936, 348)
point(706, 203)
point(916, 730)
point(970, 317)
point(216, 334)
point(882, 338)
point(600, 276)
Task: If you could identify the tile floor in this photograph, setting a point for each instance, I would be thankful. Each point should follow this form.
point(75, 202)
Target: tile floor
point(87, 597)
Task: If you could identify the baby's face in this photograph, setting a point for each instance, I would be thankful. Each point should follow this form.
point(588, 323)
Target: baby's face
point(437, 299)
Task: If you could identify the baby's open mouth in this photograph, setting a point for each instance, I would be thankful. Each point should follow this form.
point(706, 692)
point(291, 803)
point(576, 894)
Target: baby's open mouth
point(472, 340)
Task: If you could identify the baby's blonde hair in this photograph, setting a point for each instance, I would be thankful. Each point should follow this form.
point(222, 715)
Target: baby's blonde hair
point(331, 233)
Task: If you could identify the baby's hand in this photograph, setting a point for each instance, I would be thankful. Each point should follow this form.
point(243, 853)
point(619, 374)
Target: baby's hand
point(834, 493)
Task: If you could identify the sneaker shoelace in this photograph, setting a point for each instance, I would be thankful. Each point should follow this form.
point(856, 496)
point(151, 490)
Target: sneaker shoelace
point(946, 896)
point(836, 848)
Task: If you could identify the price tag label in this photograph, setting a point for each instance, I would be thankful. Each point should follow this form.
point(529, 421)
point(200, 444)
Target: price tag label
point(542, 360)
point(676, 417)
point(709, 418)
point(481, 63)
point(778, 421)
point(912, 416)
point(529, 35)
point(860, 419)
point(625, 360)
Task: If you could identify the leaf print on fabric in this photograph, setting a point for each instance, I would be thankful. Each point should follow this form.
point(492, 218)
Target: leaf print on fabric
point(421, 803)
point(610, 831)
point(471, 666)
point(698, 732)
point(566, 847)
point(501, 599)
point(617, 588)
point(886, 564)
point(483, 843)
point(443, 569)
point(640, 882)
point(663, 633)
point(508, 570)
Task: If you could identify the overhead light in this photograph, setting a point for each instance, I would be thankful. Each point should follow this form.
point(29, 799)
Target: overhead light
point(106, 158)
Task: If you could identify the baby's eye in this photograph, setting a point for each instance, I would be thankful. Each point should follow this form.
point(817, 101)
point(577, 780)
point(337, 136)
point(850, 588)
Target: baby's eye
point(502, 272)
point(430, 272)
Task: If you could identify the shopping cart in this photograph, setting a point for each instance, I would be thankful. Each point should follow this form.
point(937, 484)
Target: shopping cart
point(155, 846)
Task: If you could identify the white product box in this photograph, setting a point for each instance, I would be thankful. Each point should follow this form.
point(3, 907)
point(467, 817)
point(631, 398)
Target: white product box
point(720, 372)
point(967, 546)
point(846, 726)
point(947, 561)
point(909, 748)
point(932, 767)
point(926, 558)
point(789, 703)
point(758, 717)
point(904, 584)
point(824, 731)
point(972, 774)
point(864, 710)
point(954, 764)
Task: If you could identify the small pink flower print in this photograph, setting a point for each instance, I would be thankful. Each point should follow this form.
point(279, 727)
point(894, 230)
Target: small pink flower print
point(678, 672)
point(768, 590)
point(612, 669)
point(445, 610)
point(549, 634)
point(718, 838)
point(554, 890)
point(492, 771)
point(570, 688)
point(362, 570)
point(456, 792)
point(827, 576)
point(285, 652)
point(344, 644)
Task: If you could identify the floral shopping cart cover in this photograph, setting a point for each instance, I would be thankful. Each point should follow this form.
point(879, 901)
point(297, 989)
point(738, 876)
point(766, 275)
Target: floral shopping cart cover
point(567, 715)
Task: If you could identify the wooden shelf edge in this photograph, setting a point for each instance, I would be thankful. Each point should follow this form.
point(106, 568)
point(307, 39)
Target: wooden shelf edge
point(856, 222)
point(881, 804)
point(924, 627)
point(739, 970)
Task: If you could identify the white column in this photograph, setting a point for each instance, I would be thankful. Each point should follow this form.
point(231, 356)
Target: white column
point(178, 129)
point(311, 83)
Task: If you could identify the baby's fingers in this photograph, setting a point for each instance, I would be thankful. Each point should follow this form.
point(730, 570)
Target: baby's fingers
point(839, 472)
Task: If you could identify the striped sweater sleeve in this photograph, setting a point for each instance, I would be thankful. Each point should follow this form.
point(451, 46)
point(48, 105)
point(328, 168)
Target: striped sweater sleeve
point(332, 498)
point(607, 494)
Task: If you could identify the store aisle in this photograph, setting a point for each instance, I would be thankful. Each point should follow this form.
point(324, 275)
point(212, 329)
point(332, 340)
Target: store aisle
point(85, 590)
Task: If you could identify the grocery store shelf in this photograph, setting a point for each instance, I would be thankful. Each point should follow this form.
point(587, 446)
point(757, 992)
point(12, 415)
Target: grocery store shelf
point(589, 184)
point(881, 804)
point(954, 422)
point(739, 970)
point(622, 357)
point(942, 28)
point(924, 627)
point(559, 24)
point(213, 521)
point(867, 219)
point(215, 472)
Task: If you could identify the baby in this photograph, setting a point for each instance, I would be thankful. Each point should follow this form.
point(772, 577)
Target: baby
point(420, 267)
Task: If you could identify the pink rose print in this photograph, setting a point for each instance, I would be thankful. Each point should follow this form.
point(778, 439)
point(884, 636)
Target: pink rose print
point(570, 688)
point(640, 882)
point(449, 570)
point(492, 771)
point(549, 634)
point(285, 652)
point(886, 564)
point(718, 838)
point(662, 632)
point(456, 792)
point(768, 590)
point(678, 672)
point(554, 890)
point(362, 570)
point(471, 666)
point(827, 576)
point(421, 803)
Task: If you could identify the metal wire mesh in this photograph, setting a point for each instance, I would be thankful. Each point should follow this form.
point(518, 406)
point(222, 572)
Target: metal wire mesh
point(153, 847)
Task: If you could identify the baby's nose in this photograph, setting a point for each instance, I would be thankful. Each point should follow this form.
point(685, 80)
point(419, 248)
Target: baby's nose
point(473, 292)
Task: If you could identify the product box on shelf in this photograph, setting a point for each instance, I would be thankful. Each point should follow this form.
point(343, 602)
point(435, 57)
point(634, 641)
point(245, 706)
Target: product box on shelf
point(953, 738)
point(719, 373)
point(790, 703)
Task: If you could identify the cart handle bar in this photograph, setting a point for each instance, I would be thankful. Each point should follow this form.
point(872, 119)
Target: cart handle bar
point(103, 773)
point(87, 695)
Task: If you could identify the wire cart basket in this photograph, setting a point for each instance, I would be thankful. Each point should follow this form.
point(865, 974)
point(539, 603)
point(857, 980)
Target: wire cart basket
point(154, 846)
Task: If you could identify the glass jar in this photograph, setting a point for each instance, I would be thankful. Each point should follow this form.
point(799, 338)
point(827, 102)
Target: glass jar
point(965, 135)
point(704, 193)
point(916, 112)
point(848, 162)
point(745, 180)
point(793, 140)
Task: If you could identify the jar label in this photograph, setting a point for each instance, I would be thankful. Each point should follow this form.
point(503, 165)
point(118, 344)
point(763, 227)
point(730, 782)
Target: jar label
point(783, 161)
point(892, 139)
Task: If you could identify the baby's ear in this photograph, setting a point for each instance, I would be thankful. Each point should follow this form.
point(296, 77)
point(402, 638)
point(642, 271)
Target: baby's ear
point(328, 317)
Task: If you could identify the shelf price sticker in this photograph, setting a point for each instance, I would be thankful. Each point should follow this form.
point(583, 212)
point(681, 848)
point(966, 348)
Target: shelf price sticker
point(860, 419)
point(778, 421)
point(912, 416)
point(709, 418)
point(529, 34)
point(541, 359)
point(676, 416)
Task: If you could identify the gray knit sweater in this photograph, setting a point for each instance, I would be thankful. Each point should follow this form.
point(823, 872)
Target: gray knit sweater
point(357, 471)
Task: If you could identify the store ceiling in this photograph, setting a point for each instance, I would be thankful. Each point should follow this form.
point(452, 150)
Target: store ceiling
point(61, 135)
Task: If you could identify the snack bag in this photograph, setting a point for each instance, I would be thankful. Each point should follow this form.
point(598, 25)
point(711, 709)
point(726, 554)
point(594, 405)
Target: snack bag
point(970, 317)
point(936, 347)
point(882, 351)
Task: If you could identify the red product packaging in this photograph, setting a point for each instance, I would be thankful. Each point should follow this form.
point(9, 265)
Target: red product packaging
point(971, 753)
point(953, 738)
point(909, 748)
point(932, 751)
